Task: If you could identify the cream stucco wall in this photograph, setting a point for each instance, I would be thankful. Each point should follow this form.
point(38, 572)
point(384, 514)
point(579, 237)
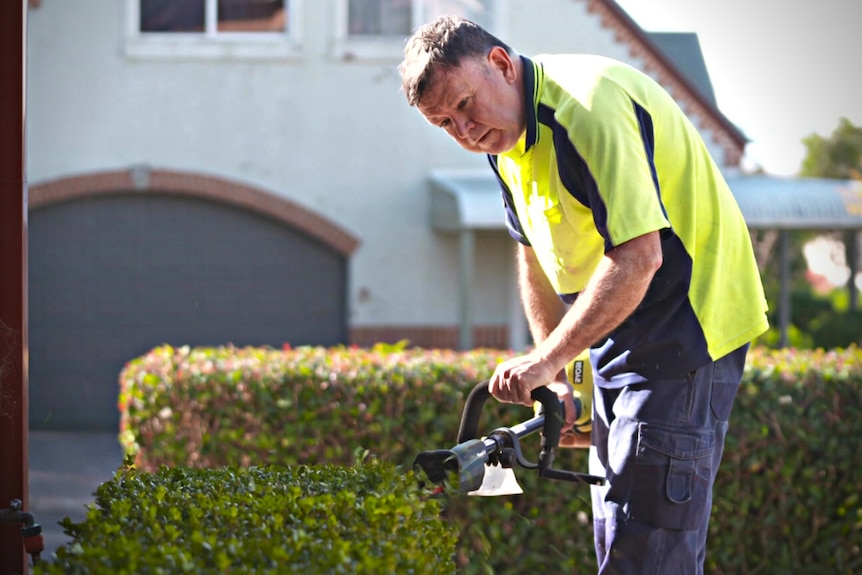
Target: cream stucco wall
point(330, 133)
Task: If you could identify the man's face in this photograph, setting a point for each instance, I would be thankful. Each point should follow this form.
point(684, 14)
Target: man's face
point(479, 103)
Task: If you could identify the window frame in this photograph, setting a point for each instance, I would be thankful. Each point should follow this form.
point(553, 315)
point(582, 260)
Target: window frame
point(389, 48)
point(212, 44)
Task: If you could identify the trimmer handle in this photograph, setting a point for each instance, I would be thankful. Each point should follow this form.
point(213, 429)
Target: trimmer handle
point(551, 421)
point(553, 411)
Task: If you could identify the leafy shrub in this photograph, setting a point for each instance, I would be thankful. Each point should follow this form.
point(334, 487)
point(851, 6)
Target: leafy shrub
point(785, 497)
point(364, 520)
point(787, 494)
point(205, 407)
point(819, 321)
point(838, 329)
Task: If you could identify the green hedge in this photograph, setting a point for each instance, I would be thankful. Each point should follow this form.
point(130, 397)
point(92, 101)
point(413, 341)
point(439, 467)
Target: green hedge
point(206, 407)
point(307, 519)
point(785, 498)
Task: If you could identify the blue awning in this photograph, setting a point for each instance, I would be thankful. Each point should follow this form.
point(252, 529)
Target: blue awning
point(769, 202)
point(470, 199)
point(465, 201)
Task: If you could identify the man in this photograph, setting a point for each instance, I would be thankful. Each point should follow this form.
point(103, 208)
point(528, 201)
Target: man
point(630, 244)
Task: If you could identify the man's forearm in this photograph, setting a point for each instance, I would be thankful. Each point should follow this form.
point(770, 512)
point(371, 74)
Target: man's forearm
point(542, 306)
point(615, 290)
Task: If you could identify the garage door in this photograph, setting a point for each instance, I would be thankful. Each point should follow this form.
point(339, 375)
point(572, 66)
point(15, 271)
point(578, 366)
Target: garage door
point(113, 276)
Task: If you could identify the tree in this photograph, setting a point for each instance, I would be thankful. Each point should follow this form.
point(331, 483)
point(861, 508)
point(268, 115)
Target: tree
point(839, 156)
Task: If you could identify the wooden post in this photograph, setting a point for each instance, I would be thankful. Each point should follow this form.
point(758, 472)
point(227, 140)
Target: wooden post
point(13, 281)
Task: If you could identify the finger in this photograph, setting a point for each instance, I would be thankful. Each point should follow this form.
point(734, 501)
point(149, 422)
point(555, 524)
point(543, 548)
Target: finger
point(564, 391)
point(499, 388)
point(571, 414)
point(523, 389)
point(574, 439)
point(494, 384)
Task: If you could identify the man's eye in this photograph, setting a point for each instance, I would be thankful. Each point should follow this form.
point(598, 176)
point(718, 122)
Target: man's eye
point(444, 123)
point(463, 103)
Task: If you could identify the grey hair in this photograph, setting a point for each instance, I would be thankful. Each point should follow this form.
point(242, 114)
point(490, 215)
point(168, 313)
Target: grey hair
point(441, 45)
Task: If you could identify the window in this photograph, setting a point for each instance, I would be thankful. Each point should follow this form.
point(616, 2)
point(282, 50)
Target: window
point(212, 28)
point(377, 28)
point(378, 17)
point(213, 16)
point(399, 17)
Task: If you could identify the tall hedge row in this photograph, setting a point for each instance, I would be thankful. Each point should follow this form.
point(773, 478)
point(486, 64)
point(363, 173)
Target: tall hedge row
point(786, 499)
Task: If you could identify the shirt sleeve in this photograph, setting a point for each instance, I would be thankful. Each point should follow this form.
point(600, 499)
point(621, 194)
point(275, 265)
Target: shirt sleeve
point(614, 135)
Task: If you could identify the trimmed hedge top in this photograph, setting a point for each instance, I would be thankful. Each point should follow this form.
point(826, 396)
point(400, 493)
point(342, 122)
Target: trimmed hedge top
point(307, 519)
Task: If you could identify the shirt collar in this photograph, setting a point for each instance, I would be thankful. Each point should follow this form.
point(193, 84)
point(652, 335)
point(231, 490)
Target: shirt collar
point(533, 76)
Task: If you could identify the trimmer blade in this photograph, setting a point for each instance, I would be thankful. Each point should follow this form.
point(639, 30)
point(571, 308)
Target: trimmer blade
point(498, 480)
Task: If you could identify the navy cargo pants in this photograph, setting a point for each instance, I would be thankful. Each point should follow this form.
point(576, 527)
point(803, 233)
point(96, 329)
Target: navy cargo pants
point(659, 443)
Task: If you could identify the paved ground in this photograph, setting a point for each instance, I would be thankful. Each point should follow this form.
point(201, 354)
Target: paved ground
point(65, 470)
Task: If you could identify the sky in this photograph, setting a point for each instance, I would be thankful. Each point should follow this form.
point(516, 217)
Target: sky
point(781, 69)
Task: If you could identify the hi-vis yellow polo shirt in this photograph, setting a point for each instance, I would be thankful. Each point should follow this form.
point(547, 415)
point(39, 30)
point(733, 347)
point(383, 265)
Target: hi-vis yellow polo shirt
point(609, 156)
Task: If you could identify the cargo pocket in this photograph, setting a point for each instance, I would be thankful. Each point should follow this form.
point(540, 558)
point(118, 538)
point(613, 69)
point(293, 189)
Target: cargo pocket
point(672, 472)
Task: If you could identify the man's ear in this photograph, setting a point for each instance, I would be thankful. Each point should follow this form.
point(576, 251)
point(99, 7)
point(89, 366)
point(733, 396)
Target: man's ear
point(500, 60)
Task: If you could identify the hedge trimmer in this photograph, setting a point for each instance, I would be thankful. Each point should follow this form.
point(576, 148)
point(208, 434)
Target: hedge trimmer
point(484, 466)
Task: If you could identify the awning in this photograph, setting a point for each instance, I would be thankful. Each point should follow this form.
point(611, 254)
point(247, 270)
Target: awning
point(769, 202)
point(466, 199)
point(469, 200)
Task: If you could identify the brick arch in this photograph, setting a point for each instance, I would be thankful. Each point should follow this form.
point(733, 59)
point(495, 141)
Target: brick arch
point(221, 190)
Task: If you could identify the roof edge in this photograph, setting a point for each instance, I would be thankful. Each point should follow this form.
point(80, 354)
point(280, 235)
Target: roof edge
point(614, 16)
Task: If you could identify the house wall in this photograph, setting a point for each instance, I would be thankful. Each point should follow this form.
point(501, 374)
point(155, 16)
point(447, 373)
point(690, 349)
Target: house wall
point(330, 133)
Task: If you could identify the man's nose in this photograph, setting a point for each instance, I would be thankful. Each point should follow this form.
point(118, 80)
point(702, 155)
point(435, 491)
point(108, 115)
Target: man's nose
point(462, 126)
